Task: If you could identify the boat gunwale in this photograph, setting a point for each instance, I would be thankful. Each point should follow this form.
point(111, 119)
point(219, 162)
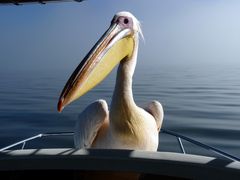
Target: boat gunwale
point(158, 163)
point(164, 131)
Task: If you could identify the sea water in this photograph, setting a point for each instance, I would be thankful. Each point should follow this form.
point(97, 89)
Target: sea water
point(202, 102)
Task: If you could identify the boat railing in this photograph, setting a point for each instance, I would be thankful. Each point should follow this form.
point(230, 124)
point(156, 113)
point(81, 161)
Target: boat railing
point(200, 144)
point(164, 131)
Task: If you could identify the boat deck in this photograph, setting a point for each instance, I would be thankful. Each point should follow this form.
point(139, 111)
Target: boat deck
point(33, 163)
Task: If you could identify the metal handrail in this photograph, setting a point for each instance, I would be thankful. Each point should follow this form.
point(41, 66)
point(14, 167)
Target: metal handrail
point(24, 141)
point(178, 136)
point(205, 146)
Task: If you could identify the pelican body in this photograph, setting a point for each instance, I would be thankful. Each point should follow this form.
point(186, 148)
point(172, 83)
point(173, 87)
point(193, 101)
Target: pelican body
point(125, 125)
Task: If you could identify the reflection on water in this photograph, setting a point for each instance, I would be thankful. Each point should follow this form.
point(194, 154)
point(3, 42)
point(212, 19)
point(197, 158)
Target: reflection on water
point(202, 103)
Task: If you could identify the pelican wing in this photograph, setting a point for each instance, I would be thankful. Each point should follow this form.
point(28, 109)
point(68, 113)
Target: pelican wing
point(156, 110)
point(89, 123)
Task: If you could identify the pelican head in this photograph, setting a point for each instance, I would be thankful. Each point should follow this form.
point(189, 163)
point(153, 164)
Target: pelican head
point(116, 44)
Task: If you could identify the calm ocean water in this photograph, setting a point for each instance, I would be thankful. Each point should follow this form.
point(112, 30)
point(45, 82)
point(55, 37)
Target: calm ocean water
point(200, 102)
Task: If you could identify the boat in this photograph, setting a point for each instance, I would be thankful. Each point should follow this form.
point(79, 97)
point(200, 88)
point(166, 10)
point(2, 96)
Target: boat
point(18, 161)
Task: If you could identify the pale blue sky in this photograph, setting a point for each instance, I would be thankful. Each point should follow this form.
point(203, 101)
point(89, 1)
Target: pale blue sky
point(58, 35)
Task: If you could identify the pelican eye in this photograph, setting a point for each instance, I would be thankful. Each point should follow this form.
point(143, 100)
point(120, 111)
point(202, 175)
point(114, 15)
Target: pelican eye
point(125, 21)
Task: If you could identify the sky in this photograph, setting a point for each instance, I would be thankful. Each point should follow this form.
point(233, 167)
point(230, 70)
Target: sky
point(57, 36)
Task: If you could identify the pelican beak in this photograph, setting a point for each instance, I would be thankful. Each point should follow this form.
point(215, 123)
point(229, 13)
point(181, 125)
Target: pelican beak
point(116, 44)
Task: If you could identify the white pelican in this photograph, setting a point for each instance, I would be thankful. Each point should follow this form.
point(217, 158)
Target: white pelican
point(125, 126)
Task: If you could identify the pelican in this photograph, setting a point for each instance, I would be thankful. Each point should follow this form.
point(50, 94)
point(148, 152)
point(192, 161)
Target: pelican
point(125, 126)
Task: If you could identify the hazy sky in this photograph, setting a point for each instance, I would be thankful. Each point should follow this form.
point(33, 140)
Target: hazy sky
point(58, 35)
